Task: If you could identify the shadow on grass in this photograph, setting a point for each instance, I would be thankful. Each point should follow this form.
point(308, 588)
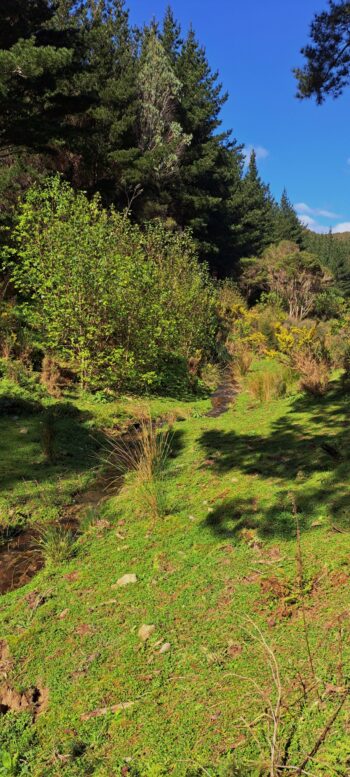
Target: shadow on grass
point(235, 515)
point(39, 443)
point(314, 437)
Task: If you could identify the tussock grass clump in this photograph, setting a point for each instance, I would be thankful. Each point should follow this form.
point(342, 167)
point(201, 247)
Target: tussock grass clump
point(315, 373)
point(146, 455)
point(242, 360)
point(56, 543)
point(267, 385)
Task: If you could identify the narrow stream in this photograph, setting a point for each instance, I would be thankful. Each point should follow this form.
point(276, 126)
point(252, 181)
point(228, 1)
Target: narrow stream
point(223, 397)
point(20, 556)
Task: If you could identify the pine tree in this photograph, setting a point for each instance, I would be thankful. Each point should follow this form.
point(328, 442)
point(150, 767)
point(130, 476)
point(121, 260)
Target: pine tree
point(33, 57)
point(287, 224)
point(210, 167)
point(105, 141)
point(170, 36)
point(326, 69)
point(258, 208)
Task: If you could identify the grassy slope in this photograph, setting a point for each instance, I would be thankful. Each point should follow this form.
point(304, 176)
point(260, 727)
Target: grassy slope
point(226, 550)
point(35, 489)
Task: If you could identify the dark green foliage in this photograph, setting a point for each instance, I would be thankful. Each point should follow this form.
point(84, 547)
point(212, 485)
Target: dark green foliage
point(287, 224)
point(257, 212)
point(212, 163)
point(105, 145)
point(334, 252)
point(327, 66)
point(35, 66)
point(131, 114)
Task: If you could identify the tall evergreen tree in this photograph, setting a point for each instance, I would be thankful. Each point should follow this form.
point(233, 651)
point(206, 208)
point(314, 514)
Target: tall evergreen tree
point(258, 209)
point(105, 141)
point(287, 224)
point(170, 36)
point(33, 57)
point(210, 167)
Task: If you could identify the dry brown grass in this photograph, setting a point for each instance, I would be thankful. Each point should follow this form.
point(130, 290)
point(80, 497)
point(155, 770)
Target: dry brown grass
point(241, 360)
point(146, 455)
point(50, 376)
point(265, 386)
point(314, 373)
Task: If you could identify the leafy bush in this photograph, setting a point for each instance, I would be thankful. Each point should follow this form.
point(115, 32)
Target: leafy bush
point(295, 277)
point(121, 304)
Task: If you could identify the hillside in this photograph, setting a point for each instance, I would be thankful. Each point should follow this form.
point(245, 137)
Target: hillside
point(216, 587)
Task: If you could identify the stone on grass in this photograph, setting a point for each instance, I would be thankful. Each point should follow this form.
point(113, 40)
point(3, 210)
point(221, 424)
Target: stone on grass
point(145, 631)
point(125, 580)
point(165, 648)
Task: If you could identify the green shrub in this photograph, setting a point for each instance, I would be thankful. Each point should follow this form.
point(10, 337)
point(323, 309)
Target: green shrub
point(121, 304)
point(210, 376)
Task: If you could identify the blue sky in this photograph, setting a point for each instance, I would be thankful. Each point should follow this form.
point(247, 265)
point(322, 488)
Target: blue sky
point(255, 45)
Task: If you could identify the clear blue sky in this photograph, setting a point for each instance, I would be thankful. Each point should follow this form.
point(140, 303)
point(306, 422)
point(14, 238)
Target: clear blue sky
point(255, 45)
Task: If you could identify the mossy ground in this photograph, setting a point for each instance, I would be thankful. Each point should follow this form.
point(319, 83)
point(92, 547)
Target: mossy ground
point(225, 551)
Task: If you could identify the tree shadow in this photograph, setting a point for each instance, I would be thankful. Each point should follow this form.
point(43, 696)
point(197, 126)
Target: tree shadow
point(314, 437)
point(233, 516)
point(40, 443)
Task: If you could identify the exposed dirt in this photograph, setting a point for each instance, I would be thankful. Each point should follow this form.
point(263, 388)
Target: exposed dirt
point(20, 560)
point(34, 700)
point(222, 397)
point(5, 659)
point(20, 556)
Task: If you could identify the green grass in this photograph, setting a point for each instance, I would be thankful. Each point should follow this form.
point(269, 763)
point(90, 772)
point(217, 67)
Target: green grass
point(34, 486)
point(225, 551)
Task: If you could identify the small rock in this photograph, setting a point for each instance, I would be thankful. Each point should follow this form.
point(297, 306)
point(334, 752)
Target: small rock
point(63, 614)
point(145, 631)
point(165, 648)
point(125, 580)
